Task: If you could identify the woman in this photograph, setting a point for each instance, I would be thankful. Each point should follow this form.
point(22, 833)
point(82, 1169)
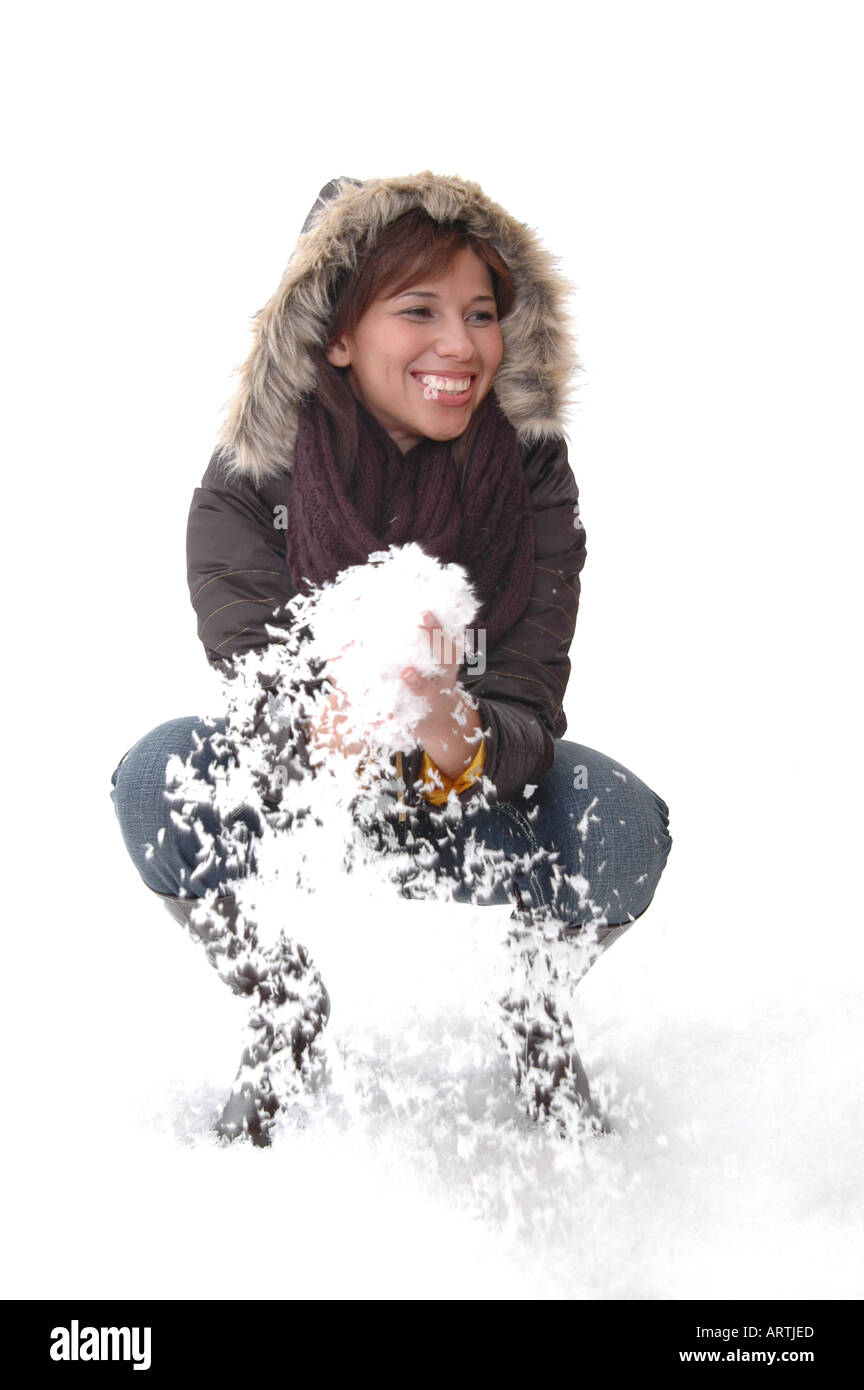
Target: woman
point(406, 383)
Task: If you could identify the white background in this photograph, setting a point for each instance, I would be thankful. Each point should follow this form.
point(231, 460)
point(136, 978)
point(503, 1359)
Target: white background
point(696, 168)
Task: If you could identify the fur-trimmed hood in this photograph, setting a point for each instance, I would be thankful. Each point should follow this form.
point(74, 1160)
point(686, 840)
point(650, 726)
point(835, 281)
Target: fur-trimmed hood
point(533, 381)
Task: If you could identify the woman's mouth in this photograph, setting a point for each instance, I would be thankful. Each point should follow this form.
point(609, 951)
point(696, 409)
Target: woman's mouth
point(446, 390)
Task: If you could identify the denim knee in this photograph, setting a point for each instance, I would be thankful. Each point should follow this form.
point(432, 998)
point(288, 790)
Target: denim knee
point(609, 831)
point(169, 854)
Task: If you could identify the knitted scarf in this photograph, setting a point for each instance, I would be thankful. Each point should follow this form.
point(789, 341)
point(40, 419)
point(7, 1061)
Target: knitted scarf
point(393, 498)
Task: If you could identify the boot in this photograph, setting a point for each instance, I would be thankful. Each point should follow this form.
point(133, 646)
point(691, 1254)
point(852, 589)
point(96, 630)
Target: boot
point(290, 1007)
point(536, 1029)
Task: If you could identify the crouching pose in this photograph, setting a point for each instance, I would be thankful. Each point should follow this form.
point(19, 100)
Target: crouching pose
point(406, 384)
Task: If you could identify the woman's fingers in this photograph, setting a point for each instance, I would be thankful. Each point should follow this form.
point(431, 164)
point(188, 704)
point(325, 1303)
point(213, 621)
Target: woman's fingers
point(431, 626)
point(442, 649)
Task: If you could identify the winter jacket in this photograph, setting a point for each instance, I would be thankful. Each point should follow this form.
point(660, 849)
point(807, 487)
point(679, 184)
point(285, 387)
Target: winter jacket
point(237, 568)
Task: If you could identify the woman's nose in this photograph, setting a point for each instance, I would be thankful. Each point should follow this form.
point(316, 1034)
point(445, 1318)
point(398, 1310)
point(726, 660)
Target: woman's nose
point(455, 341)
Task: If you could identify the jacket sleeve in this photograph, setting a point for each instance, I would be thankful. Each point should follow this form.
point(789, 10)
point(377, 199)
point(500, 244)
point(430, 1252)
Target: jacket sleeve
point(521, 692)
point(236, 564)
point(238, 576)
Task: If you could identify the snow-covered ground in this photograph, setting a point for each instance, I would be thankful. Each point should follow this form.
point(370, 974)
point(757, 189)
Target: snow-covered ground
point(731, 1050)
point(691, 165)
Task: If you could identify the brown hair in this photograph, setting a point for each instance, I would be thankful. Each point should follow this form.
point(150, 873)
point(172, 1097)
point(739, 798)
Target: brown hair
point(413, 244)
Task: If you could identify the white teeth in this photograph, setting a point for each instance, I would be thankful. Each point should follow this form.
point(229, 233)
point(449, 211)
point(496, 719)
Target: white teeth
point(433, 384)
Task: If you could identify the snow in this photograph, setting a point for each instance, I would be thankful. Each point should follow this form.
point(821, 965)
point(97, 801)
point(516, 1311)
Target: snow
point(734, 1168)
point(380, 605)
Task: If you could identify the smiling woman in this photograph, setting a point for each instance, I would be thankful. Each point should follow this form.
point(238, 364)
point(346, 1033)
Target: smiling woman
point(406, 384)
point(426, 303)
point(423, 359)
point(423, 368)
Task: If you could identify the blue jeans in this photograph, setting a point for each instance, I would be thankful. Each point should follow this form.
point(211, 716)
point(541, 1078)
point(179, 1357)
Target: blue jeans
point(589, 844)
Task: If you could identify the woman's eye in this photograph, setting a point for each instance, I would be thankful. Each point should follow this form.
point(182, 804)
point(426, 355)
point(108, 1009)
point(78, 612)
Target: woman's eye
point(477, 316)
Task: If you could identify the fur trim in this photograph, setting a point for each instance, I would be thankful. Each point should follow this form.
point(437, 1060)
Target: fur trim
point(533, 382)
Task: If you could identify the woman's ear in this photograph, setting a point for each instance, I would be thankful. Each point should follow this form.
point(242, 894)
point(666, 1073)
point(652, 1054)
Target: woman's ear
point(338, 353)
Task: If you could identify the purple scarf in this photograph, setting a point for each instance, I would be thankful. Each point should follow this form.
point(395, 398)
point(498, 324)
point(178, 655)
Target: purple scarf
point(393, 498)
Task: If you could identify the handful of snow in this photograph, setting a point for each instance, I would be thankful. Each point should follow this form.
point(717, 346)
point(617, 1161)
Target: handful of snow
point(366, 628)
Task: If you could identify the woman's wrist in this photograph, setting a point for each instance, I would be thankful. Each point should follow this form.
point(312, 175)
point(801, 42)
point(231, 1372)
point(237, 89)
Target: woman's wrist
point(452, 743)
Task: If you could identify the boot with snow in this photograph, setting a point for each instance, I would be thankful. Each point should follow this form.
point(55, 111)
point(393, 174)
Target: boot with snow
point(536, 1029)
point(281, 1061)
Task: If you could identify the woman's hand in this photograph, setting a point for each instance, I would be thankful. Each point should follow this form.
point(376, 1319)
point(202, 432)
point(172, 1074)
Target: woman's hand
point(448, 733)
point(328, 732)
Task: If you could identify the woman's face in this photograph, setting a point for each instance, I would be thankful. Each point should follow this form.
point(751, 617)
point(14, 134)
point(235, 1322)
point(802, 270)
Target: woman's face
point(422, 361)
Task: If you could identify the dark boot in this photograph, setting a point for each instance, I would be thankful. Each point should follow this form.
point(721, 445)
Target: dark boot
point(290, 1008)
point(536, 1028)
